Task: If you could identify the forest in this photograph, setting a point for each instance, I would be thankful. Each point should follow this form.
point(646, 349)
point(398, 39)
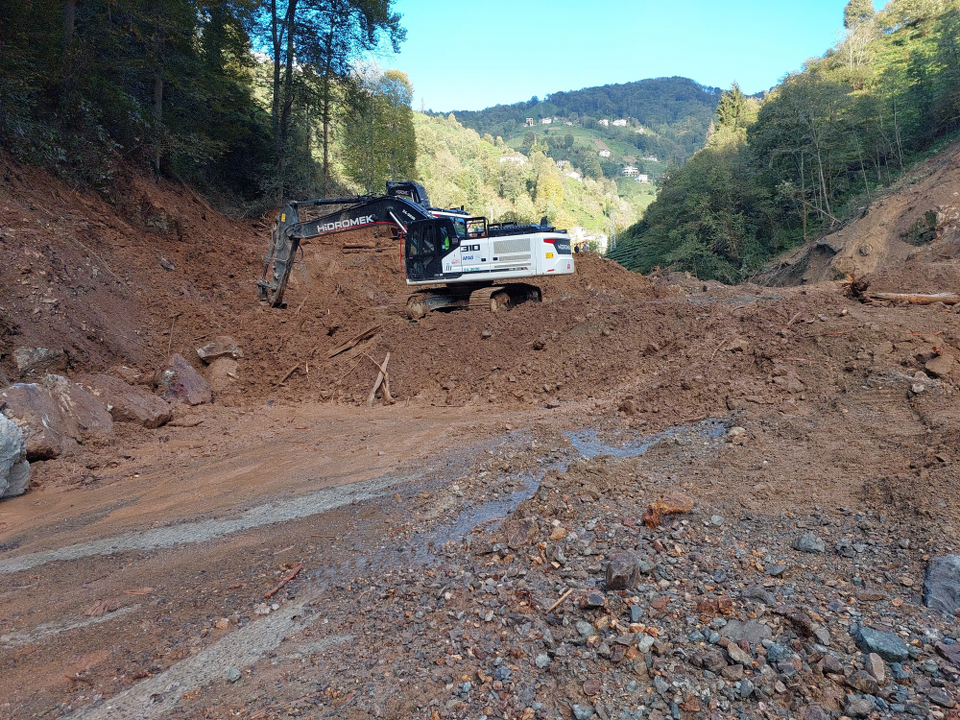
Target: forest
point(814, 152)
point(250, 101)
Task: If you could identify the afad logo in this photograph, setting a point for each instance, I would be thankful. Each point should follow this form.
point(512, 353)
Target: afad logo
point(344, 224)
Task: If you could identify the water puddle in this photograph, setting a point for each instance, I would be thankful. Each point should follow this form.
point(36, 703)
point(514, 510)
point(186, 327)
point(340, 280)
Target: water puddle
point(588, 444)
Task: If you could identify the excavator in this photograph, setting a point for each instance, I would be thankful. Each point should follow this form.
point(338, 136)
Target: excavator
point(449, 253)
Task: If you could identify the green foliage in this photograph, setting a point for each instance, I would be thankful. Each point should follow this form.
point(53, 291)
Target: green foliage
point(460, 168)
point(824, 138)
point(379, 138)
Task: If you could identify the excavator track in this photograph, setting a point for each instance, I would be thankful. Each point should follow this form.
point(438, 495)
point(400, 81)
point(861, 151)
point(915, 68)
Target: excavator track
point(495, 297)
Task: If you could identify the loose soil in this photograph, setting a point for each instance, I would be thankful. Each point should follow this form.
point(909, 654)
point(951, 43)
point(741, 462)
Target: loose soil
point(433, 535)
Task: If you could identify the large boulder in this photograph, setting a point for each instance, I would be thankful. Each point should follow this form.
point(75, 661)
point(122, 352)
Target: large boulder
point(87, 416)
point(941, 585)
point(178, 381)
point(128, 403)
point(55, 416)
point(40, 419)
point(14, 468)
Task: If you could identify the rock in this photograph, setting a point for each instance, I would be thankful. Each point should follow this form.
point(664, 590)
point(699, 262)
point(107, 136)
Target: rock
point(583, 712)
point(623, 571)
point(33, 359)
point(629, 407)
point(128, 403)
point(593, 600)
point(180, 382)
point(233, 674)
point(887, 645)
point(941, 365)
point(44, 428)
point(221, 347)
point(737, 654)
point(519, 533)
point(713, 660)
point(863, 682)
point(761, 594)
point(950, 653)
point(746, 688)
point(941, 584)
point(751, 631)
point(809, 543)
point(87, 415)
point(14, 468)
point(874, 665)
point(542, 660)
point(939, 696)
point(222, 376)
point(670, 505)
point(859, 707)
point(815, 712)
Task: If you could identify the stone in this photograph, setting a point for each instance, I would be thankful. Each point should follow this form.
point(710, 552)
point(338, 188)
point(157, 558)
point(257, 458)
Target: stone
point(128, 403)
point(874, 665)
point(939, 696)
point(950, 653)
point(859, 707)
point(542, 660)
point(941, 584)
point(40, 419)
point(747, 688)
point(223, 346)
point(713, 660)
point(863, 682)
point(178, 381)
point(623, 571)
point(750, 630)
point(519, 532)
point(87, 416)
point(758, 593)
point(809, 543)
point(14, 468)
point(941, 366)
point(583, 712)
point(629, 407)
point(815, 712)
point(887, 645)
point(233, 674)
point(737, 654)
point(658, 510)
point(30, 360)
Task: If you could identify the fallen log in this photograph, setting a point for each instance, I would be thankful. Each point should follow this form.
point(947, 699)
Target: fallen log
point(381, 376)
point(917, 299)
point(354, 340)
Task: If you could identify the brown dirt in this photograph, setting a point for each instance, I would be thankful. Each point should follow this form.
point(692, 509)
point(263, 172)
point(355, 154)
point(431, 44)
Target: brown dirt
point(823, 387)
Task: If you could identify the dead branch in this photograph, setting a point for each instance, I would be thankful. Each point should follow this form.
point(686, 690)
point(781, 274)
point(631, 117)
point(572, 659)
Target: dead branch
point(290, 372)
point(380, 378)
point(563, 597)
point(289, 576)
point(353, 341)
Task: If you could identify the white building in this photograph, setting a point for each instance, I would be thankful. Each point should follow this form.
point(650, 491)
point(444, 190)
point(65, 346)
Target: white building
point(518, 159)
point(575, 175)
point(546, 121)
point(643, 178)
point(619, 123)
point(604, 123)
point(604, 153)
point(629, 171)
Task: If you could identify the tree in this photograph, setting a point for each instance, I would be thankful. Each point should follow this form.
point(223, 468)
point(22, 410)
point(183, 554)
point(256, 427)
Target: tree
point(380, 142)
point(856, 12)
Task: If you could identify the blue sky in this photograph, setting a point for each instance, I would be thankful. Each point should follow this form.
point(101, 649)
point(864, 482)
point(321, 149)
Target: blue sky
point(471, 55)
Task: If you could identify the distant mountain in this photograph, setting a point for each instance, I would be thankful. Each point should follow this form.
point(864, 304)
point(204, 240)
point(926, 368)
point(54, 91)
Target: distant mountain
point(678, 111)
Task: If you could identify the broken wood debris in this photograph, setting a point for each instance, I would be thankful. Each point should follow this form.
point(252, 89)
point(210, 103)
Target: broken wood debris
point(294, 571)
point(382, 378)
point(369, 332)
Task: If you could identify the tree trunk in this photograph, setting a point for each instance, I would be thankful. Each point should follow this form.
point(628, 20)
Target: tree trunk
point(69, 16)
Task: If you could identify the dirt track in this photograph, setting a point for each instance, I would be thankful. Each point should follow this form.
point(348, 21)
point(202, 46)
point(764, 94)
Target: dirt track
point(133, 574)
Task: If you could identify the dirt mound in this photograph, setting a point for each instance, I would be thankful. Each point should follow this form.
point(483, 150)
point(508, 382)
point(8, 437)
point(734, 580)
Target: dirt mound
point(909, 240)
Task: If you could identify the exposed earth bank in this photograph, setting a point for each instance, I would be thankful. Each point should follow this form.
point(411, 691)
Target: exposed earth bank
point(478, 548)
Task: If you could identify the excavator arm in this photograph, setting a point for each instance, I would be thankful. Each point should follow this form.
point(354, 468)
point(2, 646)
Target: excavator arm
point(403, 204)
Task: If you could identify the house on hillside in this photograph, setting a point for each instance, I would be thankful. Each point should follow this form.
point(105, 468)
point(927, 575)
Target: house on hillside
point(604, 153)
point(630, 171)
point(619, 123)
point(575, 175)
point(528, 122)
point(518, 159)
point(643, 178)
point(603, 123)
point(546, 121)
point(651, 158)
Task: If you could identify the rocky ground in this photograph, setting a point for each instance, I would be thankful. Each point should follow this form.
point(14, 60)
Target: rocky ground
point(644, 497)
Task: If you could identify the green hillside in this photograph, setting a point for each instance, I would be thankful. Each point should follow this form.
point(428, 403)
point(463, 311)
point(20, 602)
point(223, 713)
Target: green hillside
point(815, 152)
point(490, 177)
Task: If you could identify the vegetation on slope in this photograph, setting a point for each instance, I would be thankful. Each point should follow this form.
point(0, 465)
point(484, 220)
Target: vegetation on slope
point(825, 138)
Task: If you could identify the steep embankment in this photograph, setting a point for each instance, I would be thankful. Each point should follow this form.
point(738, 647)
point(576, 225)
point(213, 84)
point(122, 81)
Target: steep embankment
point(906, 241)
